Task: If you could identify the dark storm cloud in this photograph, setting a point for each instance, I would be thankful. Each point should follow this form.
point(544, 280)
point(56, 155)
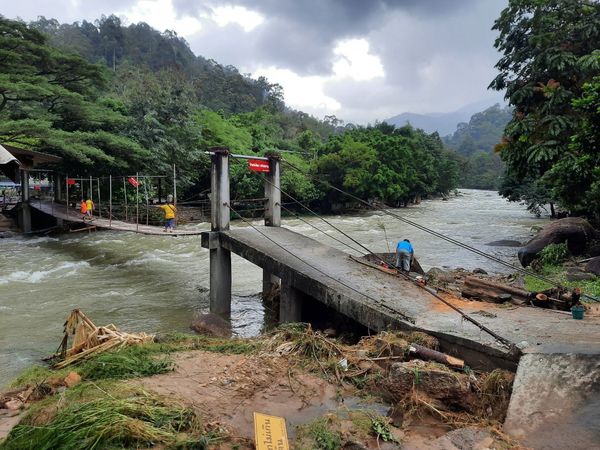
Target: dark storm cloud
point(301, 35)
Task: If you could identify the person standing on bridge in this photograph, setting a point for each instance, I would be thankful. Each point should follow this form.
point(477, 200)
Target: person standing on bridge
point(404, 255)
point(170, 211)
point(83, 209)
point(90, 208)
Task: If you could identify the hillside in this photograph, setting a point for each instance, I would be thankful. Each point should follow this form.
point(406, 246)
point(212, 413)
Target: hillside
point(108, 41)
point(475, 141)
point(443, 123)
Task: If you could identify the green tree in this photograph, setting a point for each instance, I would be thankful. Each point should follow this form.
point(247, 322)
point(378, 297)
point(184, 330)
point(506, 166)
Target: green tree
point(52, 101)
point(550, 51)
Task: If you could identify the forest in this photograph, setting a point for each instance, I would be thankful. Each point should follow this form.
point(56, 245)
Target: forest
point(119, 99)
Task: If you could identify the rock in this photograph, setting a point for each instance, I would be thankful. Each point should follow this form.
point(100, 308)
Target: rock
point(14, 404)
point(504, 243)
point(579, 275)
point(438, 274)
point(72, 379)
point(576, 232)
point(452, 389)
point(479, 270)
point(211, 325)
point(593, 266)
point(9, 412)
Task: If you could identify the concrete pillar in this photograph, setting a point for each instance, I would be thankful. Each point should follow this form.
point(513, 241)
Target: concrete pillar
point(24, 217)
point(272, 213)
point(290, 305)
point(220, 259)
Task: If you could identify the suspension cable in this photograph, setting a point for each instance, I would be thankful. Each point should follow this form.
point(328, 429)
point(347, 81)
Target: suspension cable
point(499, 338)
point(395, 311)
point(433, 232)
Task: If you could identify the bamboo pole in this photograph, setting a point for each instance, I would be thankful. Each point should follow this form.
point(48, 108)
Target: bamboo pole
point(137, 201)
point(174, 185)
point(125, 195)
point(99, 202)
point(67, 189)
point(109, 201)
point(146, 194)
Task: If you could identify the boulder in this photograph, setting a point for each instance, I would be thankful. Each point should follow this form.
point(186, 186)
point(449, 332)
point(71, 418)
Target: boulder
point(211, 325)
point(438, 274)
point(576, 232)
point(593, 266)
point(579, 275)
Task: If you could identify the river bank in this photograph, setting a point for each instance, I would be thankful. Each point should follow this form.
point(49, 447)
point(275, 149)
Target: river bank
point(199, 392)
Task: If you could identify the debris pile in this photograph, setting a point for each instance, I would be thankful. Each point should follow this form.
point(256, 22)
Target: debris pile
point(89, 339)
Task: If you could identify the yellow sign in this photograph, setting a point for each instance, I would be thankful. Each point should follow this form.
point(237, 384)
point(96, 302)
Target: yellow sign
point(270, 432)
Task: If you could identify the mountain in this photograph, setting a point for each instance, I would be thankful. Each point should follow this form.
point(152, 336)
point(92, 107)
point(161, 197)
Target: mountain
point(475, 142)
point(443, 123)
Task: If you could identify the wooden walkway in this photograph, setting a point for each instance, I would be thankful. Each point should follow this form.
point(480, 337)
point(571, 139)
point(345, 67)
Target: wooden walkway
point(72, 215)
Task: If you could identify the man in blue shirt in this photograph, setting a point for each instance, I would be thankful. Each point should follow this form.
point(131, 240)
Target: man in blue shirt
point(404, 255)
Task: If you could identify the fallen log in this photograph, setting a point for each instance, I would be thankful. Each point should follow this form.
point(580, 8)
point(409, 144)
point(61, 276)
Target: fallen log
point(480, 282)
point(432, 355)
point(485, 295)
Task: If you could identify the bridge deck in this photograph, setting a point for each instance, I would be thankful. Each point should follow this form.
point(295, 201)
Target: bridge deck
point(378, 300)
point(60, 212)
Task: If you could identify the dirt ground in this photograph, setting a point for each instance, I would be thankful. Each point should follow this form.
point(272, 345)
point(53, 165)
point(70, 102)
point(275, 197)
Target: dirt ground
point(227, 389)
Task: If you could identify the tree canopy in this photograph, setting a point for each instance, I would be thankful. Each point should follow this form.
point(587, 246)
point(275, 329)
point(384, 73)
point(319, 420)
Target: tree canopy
point(550, 58)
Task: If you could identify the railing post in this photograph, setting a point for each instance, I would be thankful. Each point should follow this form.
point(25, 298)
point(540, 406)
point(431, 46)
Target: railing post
point(220, 258)
point(25, 209)
point(272, 214)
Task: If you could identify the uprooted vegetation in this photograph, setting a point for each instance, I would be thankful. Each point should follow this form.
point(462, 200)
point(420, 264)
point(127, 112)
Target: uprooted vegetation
point(256, 373)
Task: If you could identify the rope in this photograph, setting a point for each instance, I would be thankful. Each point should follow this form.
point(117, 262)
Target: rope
point(433, 232)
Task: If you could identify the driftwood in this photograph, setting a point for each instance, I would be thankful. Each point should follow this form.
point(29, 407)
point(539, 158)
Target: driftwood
point(494, 292)
point(429, 354)
point(88, 339)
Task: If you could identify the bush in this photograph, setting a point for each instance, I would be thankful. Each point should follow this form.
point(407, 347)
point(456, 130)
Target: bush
point(553, 254)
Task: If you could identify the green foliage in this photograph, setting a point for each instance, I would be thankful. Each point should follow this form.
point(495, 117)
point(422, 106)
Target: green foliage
point(553, 254)
point(321, 433)
point(381, 428)
point(550, 57)
point(51, 101)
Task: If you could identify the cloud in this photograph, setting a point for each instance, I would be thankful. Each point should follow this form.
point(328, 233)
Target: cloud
point(363, 60)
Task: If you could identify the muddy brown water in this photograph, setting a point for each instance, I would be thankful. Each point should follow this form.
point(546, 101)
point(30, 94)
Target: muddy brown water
point(156, 283)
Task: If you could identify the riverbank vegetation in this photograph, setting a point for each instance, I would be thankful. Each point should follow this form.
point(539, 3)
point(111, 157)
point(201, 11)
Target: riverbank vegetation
point(358, 383)
point(550, 69)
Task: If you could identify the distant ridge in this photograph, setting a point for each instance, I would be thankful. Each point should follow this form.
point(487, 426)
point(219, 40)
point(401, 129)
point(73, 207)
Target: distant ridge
point(443, 123)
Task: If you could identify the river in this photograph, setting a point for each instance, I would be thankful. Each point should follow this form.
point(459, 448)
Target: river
point(156, 283)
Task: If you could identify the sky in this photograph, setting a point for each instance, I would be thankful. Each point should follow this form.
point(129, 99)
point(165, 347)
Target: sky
point(360, 60)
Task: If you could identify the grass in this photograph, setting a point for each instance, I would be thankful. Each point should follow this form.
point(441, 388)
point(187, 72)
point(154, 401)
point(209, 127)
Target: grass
point(322, 434)
point(107, 416)
point(558, 274)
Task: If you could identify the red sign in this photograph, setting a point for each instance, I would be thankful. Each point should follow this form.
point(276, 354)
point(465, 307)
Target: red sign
point(133, 181)
point(258, 165)
point(70, 181)
point(37, 187)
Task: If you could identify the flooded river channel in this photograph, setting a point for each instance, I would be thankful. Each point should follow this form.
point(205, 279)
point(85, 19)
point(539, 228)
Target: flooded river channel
point(156, 283)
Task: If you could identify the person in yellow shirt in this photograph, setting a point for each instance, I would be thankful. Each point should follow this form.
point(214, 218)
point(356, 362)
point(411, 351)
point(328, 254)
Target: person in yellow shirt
point(170, 212)
point(89, 208)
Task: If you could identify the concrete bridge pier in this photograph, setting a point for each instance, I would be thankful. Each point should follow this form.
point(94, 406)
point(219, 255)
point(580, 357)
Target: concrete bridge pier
point(290, 304)
point(24, 213)
point(220, 258)
point(272, 215)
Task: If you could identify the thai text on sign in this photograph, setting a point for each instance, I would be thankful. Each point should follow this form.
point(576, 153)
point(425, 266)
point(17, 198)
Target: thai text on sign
point(270, 432)
point(258, 165)
point(133, 181)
